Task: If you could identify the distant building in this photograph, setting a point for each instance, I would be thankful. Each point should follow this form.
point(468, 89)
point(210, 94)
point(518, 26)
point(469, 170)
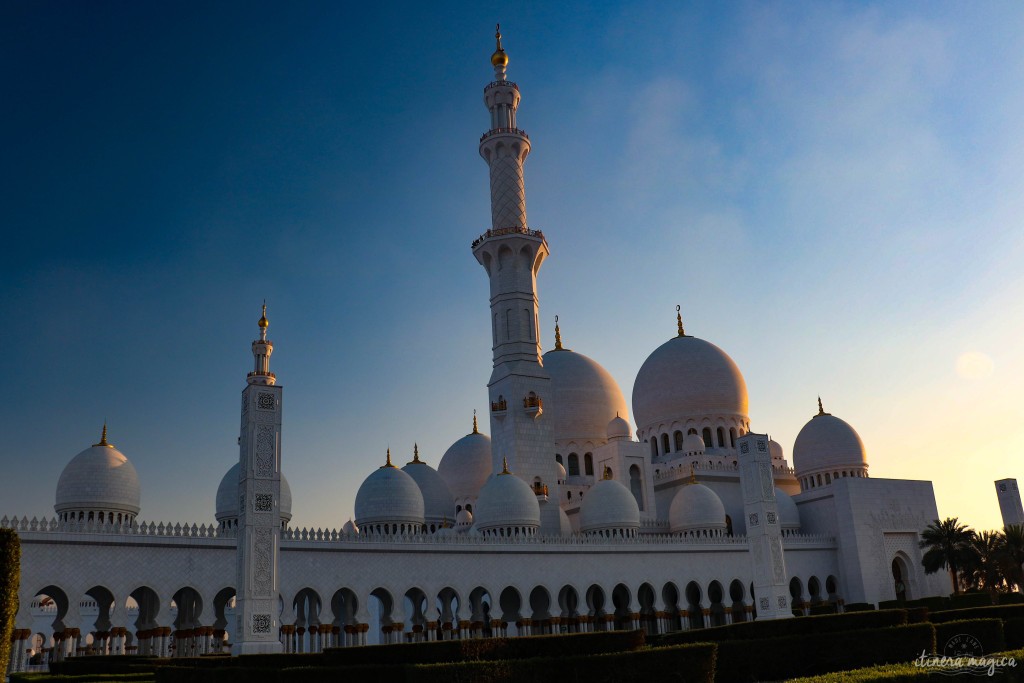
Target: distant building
point(1009, 502)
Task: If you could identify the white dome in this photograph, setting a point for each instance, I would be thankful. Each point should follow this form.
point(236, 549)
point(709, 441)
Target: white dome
point(389, 496)
point(584, 397)
point(99, 479)
point(438, 504)
point(693, 444)
point(775, 449)
point(506, 501)
point(609, 505)
point(619, 428)
point(687, 377)
point(827, 443)
point(464, 519)
point(561, 471)
point(466, 465)
point(350, 528)
point(696, 507)
point(789, 516)
point(227, 496)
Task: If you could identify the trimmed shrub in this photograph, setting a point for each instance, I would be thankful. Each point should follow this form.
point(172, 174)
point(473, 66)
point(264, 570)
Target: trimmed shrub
point(891, 604)
point(829, 623)
point(1013, 632)
point(988, 632)
point(89, 678)
point(933, 603)
point(1009, 599)
point(788, 657)
point(122, 664)
point(490, 649)
point(908, 673)
point(223, 674)
point(917, 615)
point(965, 600)
point(859, 607)
point(993, 612)
point(10, 576)
point(378, 673)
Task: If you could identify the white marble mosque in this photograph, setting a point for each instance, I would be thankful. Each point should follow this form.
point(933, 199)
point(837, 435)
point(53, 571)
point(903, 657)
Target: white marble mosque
point(567, 518)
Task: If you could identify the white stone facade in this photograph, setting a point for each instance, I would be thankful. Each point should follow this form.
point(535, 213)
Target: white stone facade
point(667, 546)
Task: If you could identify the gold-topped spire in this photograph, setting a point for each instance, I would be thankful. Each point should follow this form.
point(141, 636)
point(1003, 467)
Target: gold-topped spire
point(103, 438)
point(388, 462)
point(499, 58)
point(475, 430)
point(264, 323)
point(558, 336)
point(679, 321)
point(821, 410)
point(504, 465)
point(416, 455)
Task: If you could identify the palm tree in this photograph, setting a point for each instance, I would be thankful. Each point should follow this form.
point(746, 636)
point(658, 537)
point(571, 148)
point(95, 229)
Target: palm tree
point(1013, 555)
point(949, 547)
point(984, 567)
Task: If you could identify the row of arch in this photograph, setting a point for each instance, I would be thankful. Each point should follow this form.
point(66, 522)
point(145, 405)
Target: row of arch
point(197, 625)
point(101, 516)
point(719, 438)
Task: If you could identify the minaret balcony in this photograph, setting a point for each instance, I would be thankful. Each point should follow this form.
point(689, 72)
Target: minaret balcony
point(501, 84)
point(504, 131)
point(533, 405)
point(501, 232)
point(499, 408)
point(541, 491)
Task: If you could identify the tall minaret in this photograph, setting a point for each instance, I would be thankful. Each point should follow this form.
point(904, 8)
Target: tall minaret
point(511, 254)
point(259, 503)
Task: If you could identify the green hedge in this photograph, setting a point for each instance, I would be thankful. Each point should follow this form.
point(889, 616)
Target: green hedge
point(989, 633)
point(774, 659)
point(829, 623)
point(677, 663)
point(908, 673)
point(121, 664)
point(1009, 598)
point(10, 575)
point(994, 612)
point(224, 674)
point(917, 615)
point(965, 600)
point(88, 678)
point(490, 649)
point(1013, 632)
point(858, 607)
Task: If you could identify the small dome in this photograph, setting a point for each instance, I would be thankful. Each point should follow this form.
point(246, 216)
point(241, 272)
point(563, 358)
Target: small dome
point(789, 516)
point(693, 444)
point(99, 479)
point(695, 507)
point(350, 528)
point(227, 496)
point(389, 496)
point(561, 471)
point(464, 519)
point(608, 506)
point(827, 443)
point(466, 465)
point(687, 377)
point(775, 449)
point(618, 428)
point(584, 397)
point(506, 501)
point(438, 504)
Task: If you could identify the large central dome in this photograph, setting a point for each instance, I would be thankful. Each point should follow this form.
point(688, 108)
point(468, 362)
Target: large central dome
point(585, 397)
point(687, 377)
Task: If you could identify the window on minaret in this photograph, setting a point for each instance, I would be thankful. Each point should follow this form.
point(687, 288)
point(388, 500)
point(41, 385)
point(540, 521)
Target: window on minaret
point(574, 465)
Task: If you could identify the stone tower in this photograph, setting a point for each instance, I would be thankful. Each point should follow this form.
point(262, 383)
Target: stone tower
point(764, 531)
point(1010, 506)
point(259, 503)
point(512, 253)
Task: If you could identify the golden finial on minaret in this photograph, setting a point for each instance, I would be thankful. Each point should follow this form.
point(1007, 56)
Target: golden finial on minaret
point(558, 336)
point(679, 321)
point(475, 430)
point(388, 462)
point(821, 410)
point(264, 323)
point(416, 454)
point(499, 58)
point(103, 437)
point(504, 465)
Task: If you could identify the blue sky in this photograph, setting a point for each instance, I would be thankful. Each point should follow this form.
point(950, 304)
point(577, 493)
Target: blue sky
point(832, 193)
